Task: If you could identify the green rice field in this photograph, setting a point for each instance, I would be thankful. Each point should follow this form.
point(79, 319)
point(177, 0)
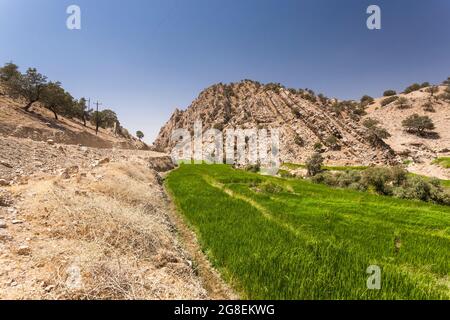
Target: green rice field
point(274, 238)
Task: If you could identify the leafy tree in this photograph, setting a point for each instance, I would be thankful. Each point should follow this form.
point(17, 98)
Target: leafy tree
point(139, 134)
point(375, 133)
point(366, 100)
point(378, 178)
point(28, 86)
point(318, 146)
point(97, 120)
point(56, 99)
point(314, 164)
point(322, 98)
point(9, 71)
point(109, 118)
point(447, 82)
point(275, 87)
point(80, 111)
point(402, 103)
point(332, 142)
point(418, 124)
point(85, 112)
point(389, 93)
point(413, 87)
point(104, 119)
point(398, 175)
point(292, 90)
point(388, 100)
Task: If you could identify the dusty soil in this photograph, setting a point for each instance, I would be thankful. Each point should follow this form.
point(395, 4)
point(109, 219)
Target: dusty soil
point(420, 151)
point(95, 230)
point(85, 216)
point(39, 125)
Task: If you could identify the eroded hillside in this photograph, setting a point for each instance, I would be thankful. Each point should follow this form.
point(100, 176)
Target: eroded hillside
point(97, 231)
point(39, 125)
point(85, 216)
point(419, 151)
point(304, 124)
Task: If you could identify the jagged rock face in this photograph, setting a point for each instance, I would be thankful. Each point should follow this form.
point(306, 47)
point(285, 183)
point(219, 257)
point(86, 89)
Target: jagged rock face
point(302, 123)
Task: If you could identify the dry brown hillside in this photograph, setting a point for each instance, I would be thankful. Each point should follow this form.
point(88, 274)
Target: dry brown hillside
point(39, 125)
point(87, 217)
point(419, 151)
point(304, 123)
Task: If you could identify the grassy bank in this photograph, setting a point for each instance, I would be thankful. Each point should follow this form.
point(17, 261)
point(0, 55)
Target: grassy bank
point(294, 166)
point(443, 162)
point(290, 239)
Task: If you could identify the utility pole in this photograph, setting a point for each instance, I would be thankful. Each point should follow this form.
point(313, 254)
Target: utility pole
point(97, 120)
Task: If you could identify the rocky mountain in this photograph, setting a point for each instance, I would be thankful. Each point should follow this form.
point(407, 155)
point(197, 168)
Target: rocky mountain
point(307, 122)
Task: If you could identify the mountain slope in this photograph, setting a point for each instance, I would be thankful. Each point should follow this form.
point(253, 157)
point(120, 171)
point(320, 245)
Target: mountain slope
point(419, 151)
point(304, 122)
point(39, 125)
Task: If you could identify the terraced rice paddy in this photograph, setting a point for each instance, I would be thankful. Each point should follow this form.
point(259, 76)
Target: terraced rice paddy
point(290, 239)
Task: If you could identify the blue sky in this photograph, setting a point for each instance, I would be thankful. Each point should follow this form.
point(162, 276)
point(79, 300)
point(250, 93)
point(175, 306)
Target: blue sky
point(143, 58)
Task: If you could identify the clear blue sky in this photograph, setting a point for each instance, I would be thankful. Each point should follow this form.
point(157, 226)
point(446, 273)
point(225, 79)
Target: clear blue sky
point(143, 58)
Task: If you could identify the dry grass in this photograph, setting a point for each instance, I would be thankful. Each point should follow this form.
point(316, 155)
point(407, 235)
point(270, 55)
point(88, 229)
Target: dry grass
point(106, 236)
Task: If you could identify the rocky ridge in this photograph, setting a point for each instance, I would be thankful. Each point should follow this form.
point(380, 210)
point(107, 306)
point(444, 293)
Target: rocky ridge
point(304, 124)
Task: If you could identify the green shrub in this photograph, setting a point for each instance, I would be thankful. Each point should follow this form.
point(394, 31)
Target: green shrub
point(412, 88)
point(285, 174)
point(394, 181)
point(255, 168)
point(332, 142)
point(314, 164)
point(418, 124)
point(318, 146)
point(296, 112)
point(275, 87)
point(402, 103)
point(366, 100)
point(389, 93)
point(349, 178)
point(388, 100)
point(443, 161)
point(219, 126)
point(325, 177)
point(378, 178)
point(375, 133)
point(270, 187)
point(398, 175)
